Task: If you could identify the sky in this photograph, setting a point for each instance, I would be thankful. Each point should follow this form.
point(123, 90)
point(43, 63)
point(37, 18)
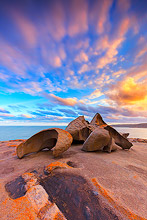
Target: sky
point(61, 59)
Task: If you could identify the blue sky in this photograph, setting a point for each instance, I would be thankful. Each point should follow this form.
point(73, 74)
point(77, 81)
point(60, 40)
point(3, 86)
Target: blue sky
point(61, 59)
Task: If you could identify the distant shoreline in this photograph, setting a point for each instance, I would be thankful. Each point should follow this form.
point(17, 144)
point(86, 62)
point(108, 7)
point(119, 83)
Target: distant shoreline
point(141, 125)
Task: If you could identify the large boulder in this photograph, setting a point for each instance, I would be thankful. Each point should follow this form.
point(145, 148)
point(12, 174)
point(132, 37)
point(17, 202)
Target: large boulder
point(56, 138)
point(97, 140)
point(79, 129)
point(119, 139)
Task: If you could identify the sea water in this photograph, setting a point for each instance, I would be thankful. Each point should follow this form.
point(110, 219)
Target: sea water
point(20, 132)
point(24, 132)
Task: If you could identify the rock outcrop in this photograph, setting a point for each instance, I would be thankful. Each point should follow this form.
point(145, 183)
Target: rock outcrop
point(119, 139)
point(56, 138)
point(111, 146)
point(97, 120)
point(125, 135)
point(79, 129)
point(97, 140)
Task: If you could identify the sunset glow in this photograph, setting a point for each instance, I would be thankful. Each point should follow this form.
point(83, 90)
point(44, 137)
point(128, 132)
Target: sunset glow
point(65, 58)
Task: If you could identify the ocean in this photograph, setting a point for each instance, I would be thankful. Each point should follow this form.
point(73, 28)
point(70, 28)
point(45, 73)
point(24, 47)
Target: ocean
point(24, 132)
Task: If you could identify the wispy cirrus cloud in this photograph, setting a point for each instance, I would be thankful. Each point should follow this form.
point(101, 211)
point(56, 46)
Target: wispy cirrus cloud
point(100, 14)
point(84, 56)
point(78, 17)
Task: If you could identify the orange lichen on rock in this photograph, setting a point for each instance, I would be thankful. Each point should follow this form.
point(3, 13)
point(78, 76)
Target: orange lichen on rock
point(14, 154)
point(114, 162)
point(30, 179)
point(13, 145)
point(59, 216)
point(102, 126)
point(55, 165)
point(135, 177)
point(51, 212)
point(18, 209)
point(126, 212)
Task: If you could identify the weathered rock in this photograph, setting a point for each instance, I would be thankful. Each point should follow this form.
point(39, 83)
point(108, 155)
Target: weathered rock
point(97, 119)
point(52, 213)
point(119, 139)
point(30, 179)
point(56, 138)
point(16, 188)
point(55, 165)
point(97, 140)
point(125, 135)
point(79, 129)
point(111, 146)
point(38, 197)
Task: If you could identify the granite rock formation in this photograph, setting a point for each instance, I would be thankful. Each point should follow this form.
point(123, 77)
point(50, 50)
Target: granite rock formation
point(54, 138)
point(97, 140)
point(94, 134)
point(119, 139)
point(79, 129)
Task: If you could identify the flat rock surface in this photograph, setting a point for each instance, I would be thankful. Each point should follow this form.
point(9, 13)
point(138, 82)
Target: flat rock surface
point(120, 177)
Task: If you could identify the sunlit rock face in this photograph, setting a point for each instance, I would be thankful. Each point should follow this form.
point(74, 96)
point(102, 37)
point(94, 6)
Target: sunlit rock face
point(56, 138)
point(79, 129)
point(97, 140)
point(97, 135)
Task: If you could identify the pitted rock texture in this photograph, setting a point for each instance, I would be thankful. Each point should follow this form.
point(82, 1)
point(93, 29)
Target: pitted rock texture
point(79, 129)
point(56, 138)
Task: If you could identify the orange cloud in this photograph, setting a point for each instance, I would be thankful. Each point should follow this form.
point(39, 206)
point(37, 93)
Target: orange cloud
point(6, 115)
point(118, 73)
point(111, 53)
point(26, 116)
point(56, 61)
point(84, 68)
point(124, 26)
point(64, 101)
point(142, 52)
point(97, 93)
point(111, 46)
point(82, 57)
point(130, 93)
